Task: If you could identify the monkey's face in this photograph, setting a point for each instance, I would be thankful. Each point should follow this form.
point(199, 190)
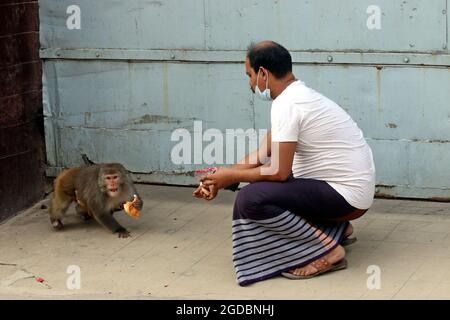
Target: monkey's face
point(111, 182)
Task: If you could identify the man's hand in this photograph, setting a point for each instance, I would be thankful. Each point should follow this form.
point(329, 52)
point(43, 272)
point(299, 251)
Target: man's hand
point(213, 191)
point(198, 192)
point(205, 192)
point(222, 178)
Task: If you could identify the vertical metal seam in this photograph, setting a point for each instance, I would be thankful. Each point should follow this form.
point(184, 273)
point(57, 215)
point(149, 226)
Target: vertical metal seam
point(205, 25)
point(446, 23)
point(56, 120)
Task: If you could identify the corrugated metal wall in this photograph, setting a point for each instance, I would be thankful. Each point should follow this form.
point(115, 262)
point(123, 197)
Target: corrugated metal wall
point(136, 70)
point(21, 125)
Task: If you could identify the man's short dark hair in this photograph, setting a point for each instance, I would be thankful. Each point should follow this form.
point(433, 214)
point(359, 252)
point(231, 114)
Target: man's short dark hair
point(272, 56)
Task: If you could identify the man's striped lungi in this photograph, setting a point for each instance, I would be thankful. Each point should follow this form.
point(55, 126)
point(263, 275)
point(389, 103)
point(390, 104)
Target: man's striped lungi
point(278, 226)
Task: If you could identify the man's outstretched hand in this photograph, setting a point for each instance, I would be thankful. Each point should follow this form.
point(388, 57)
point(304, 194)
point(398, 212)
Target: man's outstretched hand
point(206, 192)
point(211, 183)
point(222, 178)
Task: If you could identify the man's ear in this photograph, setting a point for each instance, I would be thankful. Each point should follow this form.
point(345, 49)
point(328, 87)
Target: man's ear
point(265, 73)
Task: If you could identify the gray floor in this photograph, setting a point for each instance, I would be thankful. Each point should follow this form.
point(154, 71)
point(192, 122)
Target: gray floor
point(181, 249)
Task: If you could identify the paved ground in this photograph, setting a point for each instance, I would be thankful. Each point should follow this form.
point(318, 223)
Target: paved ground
point(181, 249)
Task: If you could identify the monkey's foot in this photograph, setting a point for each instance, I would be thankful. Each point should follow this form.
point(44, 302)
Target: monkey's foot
point(123, 233)
point(86, 217)
point(57, 224)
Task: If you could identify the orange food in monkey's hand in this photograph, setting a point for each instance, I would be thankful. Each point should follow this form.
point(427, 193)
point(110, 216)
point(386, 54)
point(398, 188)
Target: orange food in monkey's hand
point(130, 209)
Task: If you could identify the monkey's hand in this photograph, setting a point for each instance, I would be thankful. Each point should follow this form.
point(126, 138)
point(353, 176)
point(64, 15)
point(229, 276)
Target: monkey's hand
point(123, 233)
point(138, 203)
point(56, 223)
point(131, 207)
point(106, 219)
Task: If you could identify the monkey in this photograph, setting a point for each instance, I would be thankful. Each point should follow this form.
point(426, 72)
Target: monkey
point(98, 190)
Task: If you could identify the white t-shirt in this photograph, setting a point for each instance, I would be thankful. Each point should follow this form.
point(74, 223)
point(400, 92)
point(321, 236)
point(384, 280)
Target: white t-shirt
point(330, 146)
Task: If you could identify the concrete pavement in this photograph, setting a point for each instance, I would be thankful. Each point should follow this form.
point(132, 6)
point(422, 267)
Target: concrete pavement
point(181, 249)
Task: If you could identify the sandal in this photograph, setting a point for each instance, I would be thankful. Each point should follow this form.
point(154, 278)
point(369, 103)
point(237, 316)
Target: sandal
point(322, 266)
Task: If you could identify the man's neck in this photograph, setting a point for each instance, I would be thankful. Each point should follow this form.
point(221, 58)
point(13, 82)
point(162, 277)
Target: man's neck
point(281, 84)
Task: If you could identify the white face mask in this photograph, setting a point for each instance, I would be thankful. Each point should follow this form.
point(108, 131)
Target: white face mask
point(265, 95)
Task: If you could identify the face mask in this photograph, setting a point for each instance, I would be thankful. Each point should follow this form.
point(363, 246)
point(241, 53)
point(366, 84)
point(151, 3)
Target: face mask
point(265, 95)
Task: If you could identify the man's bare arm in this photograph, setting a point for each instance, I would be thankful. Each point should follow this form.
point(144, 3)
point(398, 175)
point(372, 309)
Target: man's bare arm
point(278, 169)
point(258, 157)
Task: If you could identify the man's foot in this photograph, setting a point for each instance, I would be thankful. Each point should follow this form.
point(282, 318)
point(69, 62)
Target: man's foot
point(321, 264)
point(349, 231)
point(346, 240)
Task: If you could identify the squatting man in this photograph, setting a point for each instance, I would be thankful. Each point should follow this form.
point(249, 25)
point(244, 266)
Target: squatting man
point(292, 219)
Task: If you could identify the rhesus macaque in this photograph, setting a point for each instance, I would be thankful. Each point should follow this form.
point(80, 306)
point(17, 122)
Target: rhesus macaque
point(99, 190)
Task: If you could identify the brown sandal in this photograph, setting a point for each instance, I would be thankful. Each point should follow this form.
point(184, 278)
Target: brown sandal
point(322, 265)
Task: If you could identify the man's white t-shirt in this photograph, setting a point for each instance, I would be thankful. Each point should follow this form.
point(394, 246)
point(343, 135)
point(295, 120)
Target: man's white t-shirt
point(330, 146)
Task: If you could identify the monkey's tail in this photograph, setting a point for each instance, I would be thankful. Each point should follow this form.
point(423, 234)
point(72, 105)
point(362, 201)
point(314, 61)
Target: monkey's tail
point(86, 160)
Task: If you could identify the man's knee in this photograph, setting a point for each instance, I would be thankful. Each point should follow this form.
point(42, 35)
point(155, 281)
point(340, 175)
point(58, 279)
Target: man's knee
point(249, 199)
